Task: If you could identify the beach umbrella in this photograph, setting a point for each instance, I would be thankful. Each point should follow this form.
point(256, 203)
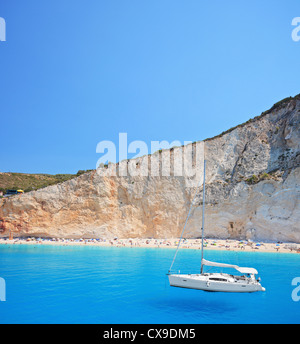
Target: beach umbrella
point(257, 244)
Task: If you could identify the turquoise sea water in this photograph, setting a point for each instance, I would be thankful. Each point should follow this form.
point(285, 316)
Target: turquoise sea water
point(68, 284)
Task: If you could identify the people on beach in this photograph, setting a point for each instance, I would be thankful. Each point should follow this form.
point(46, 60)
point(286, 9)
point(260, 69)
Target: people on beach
point(213, 244)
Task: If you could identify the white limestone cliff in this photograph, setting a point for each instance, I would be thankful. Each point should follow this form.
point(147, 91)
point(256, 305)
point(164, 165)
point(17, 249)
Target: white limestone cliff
point(252, 190)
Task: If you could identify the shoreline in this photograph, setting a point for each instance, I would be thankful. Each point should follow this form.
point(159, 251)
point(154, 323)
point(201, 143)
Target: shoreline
point(195, 244)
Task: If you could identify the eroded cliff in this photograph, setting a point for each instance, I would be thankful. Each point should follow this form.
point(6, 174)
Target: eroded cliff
point(252, 181)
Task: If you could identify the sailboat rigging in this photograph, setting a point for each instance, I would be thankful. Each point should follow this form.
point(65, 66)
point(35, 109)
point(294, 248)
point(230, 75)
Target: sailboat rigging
point(222, 282)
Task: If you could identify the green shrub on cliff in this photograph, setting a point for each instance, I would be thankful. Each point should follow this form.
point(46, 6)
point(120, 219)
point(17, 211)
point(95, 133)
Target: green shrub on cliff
point(252, 180)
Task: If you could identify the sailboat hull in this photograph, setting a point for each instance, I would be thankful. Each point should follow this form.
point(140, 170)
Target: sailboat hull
point(215, 282)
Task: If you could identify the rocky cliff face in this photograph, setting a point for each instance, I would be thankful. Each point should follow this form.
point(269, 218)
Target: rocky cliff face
point(252, 190)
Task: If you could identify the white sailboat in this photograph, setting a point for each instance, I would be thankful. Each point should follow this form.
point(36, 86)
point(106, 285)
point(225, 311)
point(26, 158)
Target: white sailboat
point(244, 283)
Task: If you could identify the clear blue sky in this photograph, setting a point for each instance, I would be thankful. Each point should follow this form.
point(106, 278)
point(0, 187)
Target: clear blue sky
point(73, 73)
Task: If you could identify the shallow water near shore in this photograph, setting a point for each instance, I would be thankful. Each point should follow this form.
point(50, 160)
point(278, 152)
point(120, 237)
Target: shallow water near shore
point(77, 284)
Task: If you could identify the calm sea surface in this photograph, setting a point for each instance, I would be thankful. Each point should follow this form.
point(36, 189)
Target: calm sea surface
point(68, 284)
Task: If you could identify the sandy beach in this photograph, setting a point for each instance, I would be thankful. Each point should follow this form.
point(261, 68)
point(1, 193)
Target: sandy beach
point(211, 244)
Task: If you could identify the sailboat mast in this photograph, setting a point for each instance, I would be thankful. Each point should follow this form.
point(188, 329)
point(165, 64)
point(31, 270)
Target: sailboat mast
point(203, 208)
